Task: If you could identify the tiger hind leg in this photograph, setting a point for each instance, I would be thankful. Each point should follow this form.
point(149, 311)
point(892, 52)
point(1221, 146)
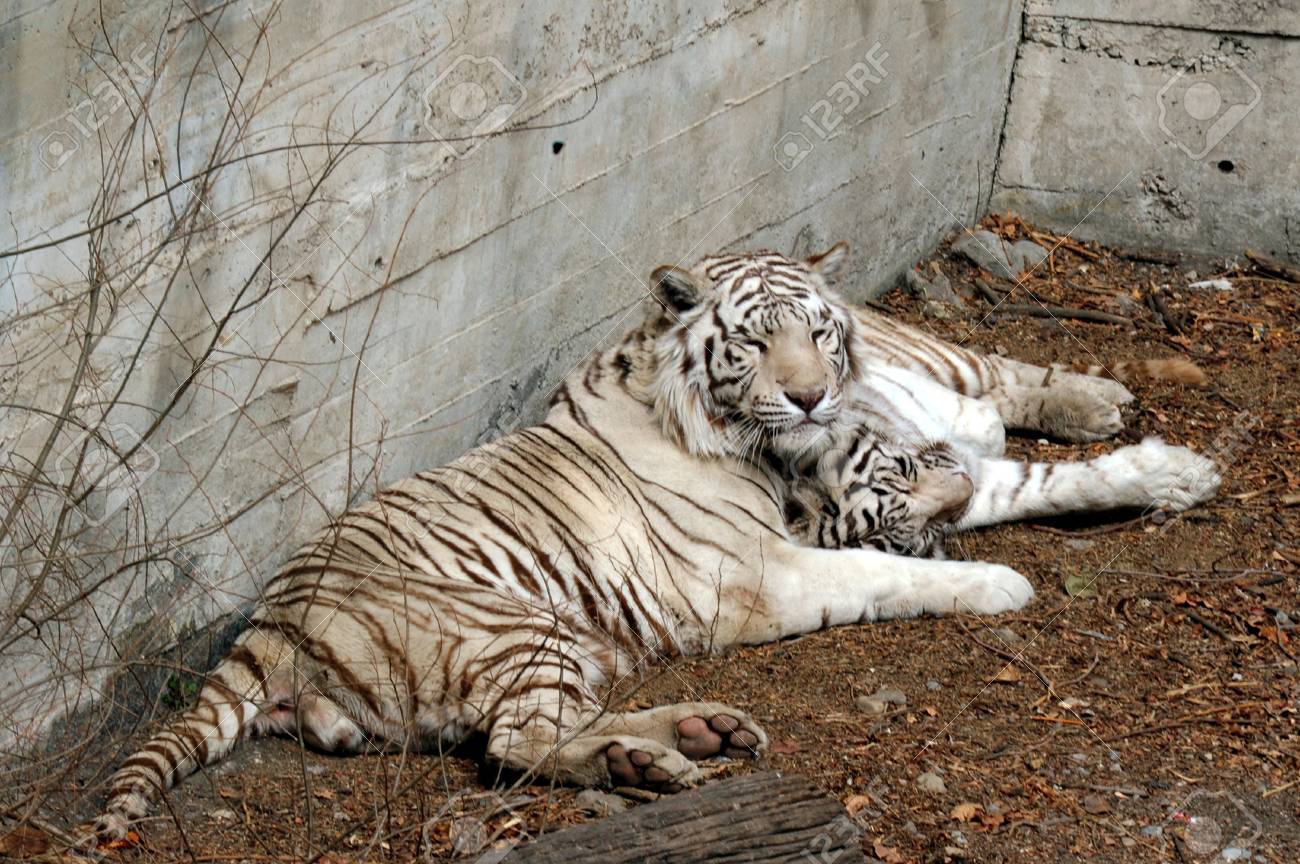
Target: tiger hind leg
point(1078, 414)
point(320, 722)
point(544, 720)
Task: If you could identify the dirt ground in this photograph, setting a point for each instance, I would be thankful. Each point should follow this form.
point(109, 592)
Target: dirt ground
point(1153, 716)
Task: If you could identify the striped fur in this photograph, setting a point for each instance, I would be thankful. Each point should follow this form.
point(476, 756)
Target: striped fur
point(504, 592)
point(905, 500)
point(873, 492)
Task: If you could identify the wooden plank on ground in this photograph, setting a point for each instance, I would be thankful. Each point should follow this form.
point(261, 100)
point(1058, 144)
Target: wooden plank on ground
point(767, 817)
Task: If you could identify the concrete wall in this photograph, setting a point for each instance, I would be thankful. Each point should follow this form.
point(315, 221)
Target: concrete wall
point(1168, 124)
point(426, 296)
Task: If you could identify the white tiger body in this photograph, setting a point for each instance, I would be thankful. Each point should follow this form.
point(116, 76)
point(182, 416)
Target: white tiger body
point(501, 593)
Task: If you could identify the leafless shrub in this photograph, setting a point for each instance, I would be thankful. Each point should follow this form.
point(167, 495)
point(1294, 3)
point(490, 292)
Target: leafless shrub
point(210, 195)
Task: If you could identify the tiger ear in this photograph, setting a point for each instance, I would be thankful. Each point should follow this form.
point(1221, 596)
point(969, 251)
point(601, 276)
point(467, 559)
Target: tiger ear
point(676, 288)
point(828, 263)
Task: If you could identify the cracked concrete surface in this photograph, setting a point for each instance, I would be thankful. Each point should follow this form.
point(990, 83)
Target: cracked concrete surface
point(1168, 124)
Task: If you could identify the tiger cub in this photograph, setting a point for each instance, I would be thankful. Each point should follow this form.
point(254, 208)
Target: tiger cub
point(882, 495)
point(869, 491)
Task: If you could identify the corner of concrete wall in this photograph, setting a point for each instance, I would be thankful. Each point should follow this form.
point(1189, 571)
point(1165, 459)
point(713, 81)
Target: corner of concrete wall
point(1169, 124)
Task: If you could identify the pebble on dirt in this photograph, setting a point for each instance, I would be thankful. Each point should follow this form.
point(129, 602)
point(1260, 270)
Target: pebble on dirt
point(932, 783)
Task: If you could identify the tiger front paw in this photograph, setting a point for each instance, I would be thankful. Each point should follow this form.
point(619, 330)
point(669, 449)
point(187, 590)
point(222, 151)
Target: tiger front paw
point(1171, 477)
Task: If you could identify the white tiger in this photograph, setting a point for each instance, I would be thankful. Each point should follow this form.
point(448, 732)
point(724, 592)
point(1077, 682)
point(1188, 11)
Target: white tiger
point(502, 592)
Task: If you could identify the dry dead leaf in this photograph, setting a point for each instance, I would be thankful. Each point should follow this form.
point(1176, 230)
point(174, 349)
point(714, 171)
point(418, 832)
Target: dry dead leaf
point(787, 746)
point(323, 794)
point(131, 839)
point(888, 854)
point(965, 811)
point(1007, 675)
point(855, 804)
point(24, 842)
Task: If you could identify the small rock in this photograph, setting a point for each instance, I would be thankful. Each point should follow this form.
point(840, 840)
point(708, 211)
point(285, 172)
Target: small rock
point(1004, 260)
point(890, 695)
point(1152, 831)
point(1079, 757)
point(932, 783)
point(936, 290)
point(1216, 284)
point(1080, 543)
point(1009, 636)
point(600, 803)
point(1096, 804)
point(938, 311)
point(1234, 853)
point(933, 685)
point(223, 815)
point(870, 706)
point(1128, 842)
point(958, 837)
point(910, 827)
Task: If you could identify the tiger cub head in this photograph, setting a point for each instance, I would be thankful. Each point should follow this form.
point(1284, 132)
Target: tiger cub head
point(753, 354)
point(875, 493)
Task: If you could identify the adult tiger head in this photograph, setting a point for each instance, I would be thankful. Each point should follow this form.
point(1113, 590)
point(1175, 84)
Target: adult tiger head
point(754, 353)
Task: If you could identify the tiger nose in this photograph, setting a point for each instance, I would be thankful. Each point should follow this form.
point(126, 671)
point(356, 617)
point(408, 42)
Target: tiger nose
point(806, 399)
